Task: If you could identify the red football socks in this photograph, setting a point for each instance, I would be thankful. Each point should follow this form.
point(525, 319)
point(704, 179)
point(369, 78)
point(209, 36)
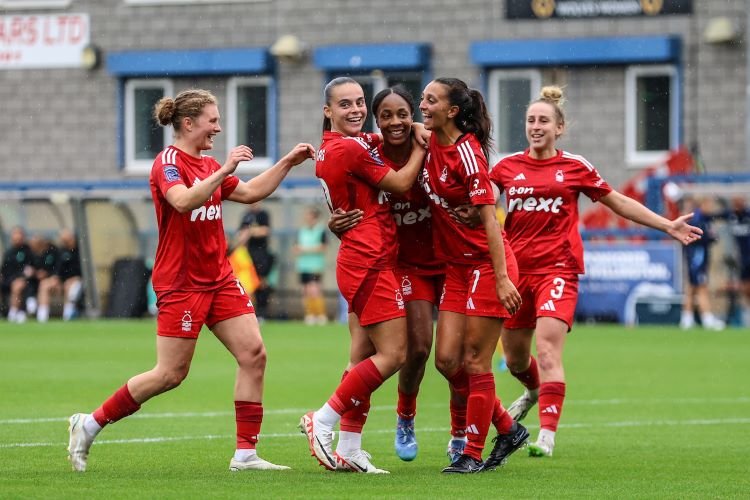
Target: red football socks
point(118, 406)
point(354, 420)
point(530, 376)
point(407, 404)
point(356, 387)
point(479, 412)
point(501, 419)
point(459, 384)
point(551, 397)
point(249, 416)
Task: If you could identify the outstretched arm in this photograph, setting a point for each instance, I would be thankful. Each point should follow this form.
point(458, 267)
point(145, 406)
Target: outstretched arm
point(627, 207)
point(185, 199)
point(260, 186)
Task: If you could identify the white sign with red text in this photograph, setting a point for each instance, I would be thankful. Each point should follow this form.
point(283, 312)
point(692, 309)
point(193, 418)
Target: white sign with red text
point(44, 41)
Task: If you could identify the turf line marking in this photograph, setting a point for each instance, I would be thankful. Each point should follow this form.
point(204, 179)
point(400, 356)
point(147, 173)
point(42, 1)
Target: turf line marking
point(636, 423)
point(300, 411)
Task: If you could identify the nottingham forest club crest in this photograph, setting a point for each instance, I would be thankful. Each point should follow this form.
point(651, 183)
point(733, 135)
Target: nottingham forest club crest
point(406, 286)
point(187, 322)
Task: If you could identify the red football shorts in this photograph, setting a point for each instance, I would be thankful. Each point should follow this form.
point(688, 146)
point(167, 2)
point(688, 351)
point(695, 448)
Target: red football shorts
point(374, 295)
point(182, 314)
point(552, 296)
point(470, 289)
point(421, 286)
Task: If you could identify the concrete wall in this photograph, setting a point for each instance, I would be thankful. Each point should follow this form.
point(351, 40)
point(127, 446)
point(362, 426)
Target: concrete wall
point(61, 123)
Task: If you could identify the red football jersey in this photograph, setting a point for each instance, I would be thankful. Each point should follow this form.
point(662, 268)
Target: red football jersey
point(414, 228)
point(191, 254)
point(542, 208)
point(350, 168)
point(457, 175)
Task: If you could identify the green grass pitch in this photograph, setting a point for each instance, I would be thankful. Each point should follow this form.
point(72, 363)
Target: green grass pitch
point(651, 412)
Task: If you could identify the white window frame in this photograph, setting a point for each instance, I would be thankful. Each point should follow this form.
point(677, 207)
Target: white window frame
point(258, 164)
point(132, 165)
point(495, 76)
point(137, 3)
point(639, 159)
point(34, 4)
point(379, 82)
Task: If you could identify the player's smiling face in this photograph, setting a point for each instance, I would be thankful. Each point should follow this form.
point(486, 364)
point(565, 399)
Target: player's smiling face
point(204, 128)
point(435, 106)
point(394, 118)
point(347, 109)
point(542, 127)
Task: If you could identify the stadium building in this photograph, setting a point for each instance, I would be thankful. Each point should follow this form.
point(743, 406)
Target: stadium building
point(78, 79)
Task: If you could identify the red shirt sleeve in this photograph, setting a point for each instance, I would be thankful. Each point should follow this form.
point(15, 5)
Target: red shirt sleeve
point(496, 176)
point(591, 183)
point(228, 185)
point(366, 163)
point(165, 176)
point(477, 180)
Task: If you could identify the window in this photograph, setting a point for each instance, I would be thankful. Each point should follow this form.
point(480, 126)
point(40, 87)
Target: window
point(148, 75)
point(248, 101)
point(377, 66)
point(181, 2)
point(651, 113)
point(144, 137)
point(34, 4)
point(377, 81)
point(510, 92)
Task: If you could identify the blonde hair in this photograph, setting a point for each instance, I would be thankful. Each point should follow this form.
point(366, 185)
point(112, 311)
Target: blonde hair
point(553, 95)
point(187, 104)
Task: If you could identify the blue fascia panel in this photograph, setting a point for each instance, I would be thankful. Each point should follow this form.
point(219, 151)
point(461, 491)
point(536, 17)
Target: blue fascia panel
point(159, 63)
point(368, 57)
point(75, 185)
point(576, 51)
point(139, 184)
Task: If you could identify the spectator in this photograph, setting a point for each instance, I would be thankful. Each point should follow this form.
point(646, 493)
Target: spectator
point(255, 229)
point(14, 274)
point(738, 218)
point(311, 262)
point(64, 278)
point(44, 260)
point(697, 261)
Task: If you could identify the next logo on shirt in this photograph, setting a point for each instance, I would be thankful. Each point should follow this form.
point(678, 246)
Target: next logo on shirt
point(212, 212)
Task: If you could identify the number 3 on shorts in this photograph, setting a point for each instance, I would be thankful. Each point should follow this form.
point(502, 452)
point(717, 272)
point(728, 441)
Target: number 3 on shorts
point(557, 291)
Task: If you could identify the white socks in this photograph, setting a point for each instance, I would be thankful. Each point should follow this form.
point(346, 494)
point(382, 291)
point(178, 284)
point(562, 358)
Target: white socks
point(326, 417)
point(546, 435)
point(349, 442)
point(91, 426)
point(42, 314)
point(244, 454)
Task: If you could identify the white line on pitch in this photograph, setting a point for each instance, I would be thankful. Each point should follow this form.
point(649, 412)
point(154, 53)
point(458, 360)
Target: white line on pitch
point(636, 423)
point(295, 411)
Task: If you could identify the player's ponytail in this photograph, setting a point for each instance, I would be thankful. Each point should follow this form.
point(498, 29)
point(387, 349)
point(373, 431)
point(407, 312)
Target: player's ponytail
point(472, 114)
